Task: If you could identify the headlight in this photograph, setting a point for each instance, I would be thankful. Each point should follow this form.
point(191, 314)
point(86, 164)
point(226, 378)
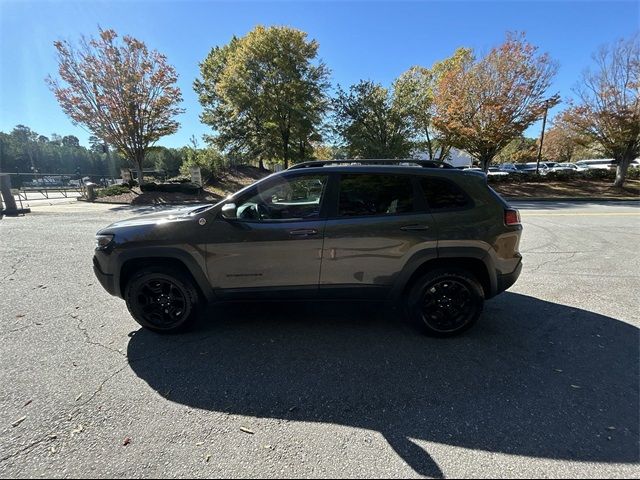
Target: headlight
point(103, 241)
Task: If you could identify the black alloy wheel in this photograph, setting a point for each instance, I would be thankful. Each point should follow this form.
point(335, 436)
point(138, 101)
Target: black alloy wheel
point(446, 302)
point(161, 301)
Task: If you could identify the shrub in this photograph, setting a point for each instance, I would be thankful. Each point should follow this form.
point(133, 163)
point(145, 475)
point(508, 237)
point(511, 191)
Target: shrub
point(113, 190)
point(179, 179)
point(598, 174)
point(562, 175)
point(187, 188)
point(210, 161)
point(633, 173)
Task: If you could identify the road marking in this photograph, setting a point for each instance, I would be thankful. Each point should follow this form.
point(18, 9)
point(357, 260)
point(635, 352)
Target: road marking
point(618, 214)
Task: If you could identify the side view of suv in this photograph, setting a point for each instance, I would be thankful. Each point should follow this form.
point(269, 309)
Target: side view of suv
point(437, 240)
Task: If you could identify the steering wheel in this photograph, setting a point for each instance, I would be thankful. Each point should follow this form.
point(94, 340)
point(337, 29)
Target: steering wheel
point(263, 212)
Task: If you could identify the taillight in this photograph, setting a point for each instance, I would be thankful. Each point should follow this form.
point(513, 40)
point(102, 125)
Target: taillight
point(511, 217)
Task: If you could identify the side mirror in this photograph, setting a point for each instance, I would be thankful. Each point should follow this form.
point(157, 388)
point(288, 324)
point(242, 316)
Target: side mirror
point(228, 211)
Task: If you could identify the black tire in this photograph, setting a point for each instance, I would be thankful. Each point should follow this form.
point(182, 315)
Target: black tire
point(445, 302)
point(162, 300)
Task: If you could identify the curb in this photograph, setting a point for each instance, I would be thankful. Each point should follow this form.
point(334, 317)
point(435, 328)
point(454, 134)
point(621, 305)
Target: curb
point(572, 199)
point(509, 199)
point(142, 205)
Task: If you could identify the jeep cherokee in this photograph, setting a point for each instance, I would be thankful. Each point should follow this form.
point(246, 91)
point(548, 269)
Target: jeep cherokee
point(437, 240)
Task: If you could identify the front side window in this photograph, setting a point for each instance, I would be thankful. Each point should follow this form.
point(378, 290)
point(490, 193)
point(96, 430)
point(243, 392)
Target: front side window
point(372, 194)
point(289, 200)
point(443, 194)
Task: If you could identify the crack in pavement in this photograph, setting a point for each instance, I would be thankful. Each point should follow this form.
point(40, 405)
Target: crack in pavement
point(32, 323)
point(62, 416)
point(88, 339)
point(77, 410)
point(540, 265)
point(26, 449)
point(67, 416)
point(13, 268)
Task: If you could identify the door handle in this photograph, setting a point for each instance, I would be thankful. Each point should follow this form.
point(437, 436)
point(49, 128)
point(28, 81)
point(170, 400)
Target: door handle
point(303, 232)
point(414, 227)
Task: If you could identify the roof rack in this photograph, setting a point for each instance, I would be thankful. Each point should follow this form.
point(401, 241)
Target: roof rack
point(409, 161)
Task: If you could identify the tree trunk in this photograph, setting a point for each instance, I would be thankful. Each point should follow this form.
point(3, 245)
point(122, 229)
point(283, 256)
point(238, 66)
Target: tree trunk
point(621, 171)
point(139, 170)
point(485, 161)
point(302, 151)
point(287, 154)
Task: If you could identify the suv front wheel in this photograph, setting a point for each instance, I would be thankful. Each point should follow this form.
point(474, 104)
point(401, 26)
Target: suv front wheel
point(162, 300)
point(445, 302)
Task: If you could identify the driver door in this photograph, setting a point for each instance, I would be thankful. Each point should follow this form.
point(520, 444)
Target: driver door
point(275, 243)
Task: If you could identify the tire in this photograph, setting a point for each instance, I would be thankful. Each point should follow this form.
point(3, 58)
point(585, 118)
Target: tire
point(162, 300)
point(445, 302)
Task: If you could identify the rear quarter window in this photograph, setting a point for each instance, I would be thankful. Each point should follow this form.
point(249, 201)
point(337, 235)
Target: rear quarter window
point(443, 194)
point(375, 194)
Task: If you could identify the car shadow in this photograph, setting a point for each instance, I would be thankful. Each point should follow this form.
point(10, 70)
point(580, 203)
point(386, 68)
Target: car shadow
point(533, 378)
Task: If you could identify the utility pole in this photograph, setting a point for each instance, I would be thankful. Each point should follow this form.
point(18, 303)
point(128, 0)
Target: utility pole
point(544, 124)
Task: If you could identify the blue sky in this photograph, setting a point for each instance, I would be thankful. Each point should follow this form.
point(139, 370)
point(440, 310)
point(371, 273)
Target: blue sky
point(358, 40)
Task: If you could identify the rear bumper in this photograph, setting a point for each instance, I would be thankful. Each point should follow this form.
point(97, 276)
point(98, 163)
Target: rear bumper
point(107, 281)
point(505, 281)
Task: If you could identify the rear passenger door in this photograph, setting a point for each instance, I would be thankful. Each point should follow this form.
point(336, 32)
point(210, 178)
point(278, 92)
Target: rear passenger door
point(378, 221)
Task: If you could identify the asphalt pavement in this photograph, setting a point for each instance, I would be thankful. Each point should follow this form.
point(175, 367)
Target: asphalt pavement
point(546, 385)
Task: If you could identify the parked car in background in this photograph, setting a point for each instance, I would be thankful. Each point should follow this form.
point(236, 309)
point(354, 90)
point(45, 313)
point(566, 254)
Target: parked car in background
point(496, 171)
point(514, 168)
point(45, 182)
point(599, 164)
point(493, 171)
point(544, 168)
point(567, 167)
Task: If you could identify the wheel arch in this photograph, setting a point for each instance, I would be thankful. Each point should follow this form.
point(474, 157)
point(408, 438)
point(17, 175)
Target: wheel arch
point(478, 265)
point(170, 259)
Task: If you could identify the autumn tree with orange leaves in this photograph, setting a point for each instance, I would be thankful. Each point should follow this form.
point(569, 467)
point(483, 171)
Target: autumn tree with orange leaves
point(122, 92)
point(559, 144)
point(607, 109)
point(482, 105)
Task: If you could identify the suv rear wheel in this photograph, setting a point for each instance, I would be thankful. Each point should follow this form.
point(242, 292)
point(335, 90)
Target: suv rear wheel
point(162, 300)
point(445, 302)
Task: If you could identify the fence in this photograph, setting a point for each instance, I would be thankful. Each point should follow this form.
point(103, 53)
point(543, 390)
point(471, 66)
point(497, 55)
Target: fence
point(45, 185)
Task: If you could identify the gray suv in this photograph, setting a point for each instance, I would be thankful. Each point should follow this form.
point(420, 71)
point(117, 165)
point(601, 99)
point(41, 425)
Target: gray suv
point(437, 240)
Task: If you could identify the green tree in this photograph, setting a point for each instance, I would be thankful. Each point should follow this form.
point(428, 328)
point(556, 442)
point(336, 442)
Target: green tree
point(264, 94)
point(370, 122)
point(484, 105)
point(26, 151)
point(70, 141)
point(415, 91)
point(119, 90)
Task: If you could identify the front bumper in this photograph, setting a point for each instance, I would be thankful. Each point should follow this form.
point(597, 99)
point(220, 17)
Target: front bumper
point(107, 281)
point(505, 281)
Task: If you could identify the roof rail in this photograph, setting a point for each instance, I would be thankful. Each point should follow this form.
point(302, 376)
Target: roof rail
point(370, 161)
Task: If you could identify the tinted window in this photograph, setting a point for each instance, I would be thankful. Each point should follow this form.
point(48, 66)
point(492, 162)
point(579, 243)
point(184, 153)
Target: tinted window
point(290, 199)
point(443, 194)
point(370, 194)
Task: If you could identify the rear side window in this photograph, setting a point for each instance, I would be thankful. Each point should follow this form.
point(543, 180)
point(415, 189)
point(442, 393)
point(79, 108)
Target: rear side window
point(443, 194)
point(371, 194)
